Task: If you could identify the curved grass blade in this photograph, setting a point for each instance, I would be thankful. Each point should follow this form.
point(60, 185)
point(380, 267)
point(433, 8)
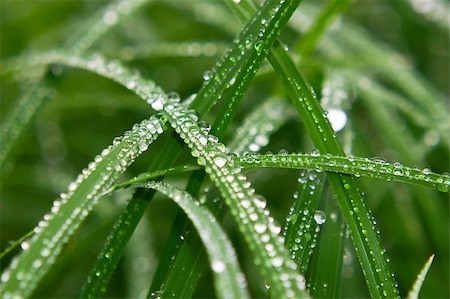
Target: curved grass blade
point(15, 122)
point(20, 116)
point(258, 229)
point(304, 219)
point(363, 232)
point(230, 77)
point(414, 292)
point(328, 14)
point(229, 280)
point(67, 214)
point(376, 168)
point(16, 244)
point(252, 134)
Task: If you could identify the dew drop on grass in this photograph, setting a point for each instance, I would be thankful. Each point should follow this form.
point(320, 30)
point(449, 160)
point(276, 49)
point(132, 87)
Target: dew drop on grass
point(320, 217)
point(207, 75)
point(24, 245)
point(220, 161)
point(218, 266)
point(258, 46)
point(337, 118)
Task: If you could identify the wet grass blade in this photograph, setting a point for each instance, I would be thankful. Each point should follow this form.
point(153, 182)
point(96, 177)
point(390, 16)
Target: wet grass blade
point(376, 168)
point(366, 240)
point(304, 219)
point(228, 80)
point(229, 280)
point(258, 229)
point(414, 292)
point(67, 214)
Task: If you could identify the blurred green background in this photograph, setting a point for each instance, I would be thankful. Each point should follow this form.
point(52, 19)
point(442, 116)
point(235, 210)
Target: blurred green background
point(87, 112)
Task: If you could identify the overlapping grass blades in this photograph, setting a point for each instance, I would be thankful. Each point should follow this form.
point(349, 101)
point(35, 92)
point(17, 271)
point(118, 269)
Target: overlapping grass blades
point(366, 240)
point(229, 280)
point(73, 207)
point(239, 63)
point(248, 209)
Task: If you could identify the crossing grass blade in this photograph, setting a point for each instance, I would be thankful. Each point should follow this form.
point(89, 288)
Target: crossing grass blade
point(68, 212)
point(376, 168)
point(229, 280)
point(366, 240)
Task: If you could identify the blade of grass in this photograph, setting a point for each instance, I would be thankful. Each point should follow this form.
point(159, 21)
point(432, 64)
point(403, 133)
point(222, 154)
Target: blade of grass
point(327, 15)
point(372, 258)
point(26, 270)
point(304, 219)
point(231, 75)
point(415, 289)
point(376, 168)
point(259, 230)
point(229, 280)
point(328, 254)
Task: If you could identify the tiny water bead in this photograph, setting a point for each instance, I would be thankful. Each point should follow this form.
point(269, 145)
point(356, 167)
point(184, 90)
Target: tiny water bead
point(320, 217)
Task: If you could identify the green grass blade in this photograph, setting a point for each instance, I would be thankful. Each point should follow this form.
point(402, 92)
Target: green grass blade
point(25, 271)
point(17, 120)
point(229, 79)
point(414, 292)
point(248, 209)
point(329, 255)
point(241, 62)
point(108, 259)
point(328, 14)
point(376, 168)
point(304, 220)
point(229, 280)
point(16, 244)
point(365, 238)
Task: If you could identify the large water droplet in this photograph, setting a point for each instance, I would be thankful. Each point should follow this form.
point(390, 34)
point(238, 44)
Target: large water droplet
point(320, 217)
point(337, 118)
point(218, 266)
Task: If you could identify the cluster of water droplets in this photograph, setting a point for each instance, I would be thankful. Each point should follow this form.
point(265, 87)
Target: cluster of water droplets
point(304, 220)
point(67, 212)
point(369, 167)
point(255, 222)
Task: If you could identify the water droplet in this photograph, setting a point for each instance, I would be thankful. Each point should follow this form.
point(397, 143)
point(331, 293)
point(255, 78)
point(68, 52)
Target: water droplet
point(258, 46)
point(337, 118)
point(158, 104)
point(218, 266)
point(207, 75)
point(320, 217)
point(24, 245)
point(220, 161)
point(260, 227)
point(277, 261)
point(110, 17)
